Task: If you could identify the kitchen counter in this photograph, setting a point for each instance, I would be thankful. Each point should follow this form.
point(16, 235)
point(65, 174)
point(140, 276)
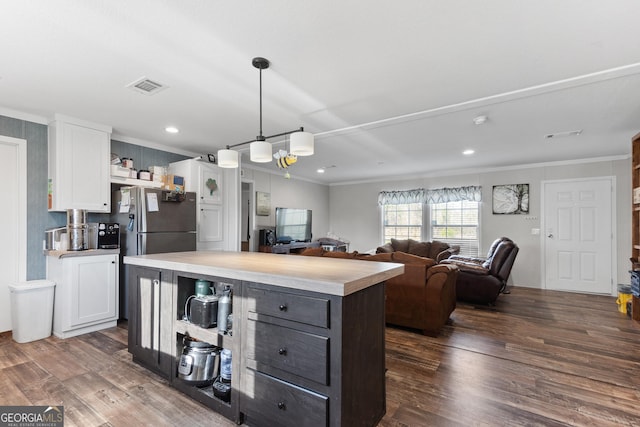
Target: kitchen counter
point(307, 337)
point(332, 276)
point(88, 252)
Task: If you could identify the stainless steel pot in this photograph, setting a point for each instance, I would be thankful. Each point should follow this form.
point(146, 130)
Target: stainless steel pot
point(76, 216)
point(199, 363)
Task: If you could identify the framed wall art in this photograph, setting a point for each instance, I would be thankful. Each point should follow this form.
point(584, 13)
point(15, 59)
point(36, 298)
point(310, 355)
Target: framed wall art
point(263, 203)
point(211, 191)
point(511, 199)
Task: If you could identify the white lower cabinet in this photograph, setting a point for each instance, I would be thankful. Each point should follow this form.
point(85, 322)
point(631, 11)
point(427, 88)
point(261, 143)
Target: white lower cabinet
point(86, 296)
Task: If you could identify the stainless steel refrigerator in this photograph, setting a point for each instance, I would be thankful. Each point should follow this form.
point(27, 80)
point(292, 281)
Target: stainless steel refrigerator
point(152, 221)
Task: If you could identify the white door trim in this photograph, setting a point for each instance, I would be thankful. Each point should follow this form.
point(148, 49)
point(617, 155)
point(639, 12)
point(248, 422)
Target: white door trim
point(22, 203)
point(614, 236)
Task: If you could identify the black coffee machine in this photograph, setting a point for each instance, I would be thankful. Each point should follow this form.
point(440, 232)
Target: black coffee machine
point(108, 235)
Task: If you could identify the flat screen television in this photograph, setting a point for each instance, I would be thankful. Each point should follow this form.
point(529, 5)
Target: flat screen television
point(293, 225)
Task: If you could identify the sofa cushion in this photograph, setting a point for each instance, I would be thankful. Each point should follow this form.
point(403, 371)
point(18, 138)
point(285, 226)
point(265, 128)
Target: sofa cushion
point(422, 249)
point(400, 245)
point(436, 248)
point(313, 251)
point(385, 249)
point(406, 258)
point(381, 257)
point(336, 254)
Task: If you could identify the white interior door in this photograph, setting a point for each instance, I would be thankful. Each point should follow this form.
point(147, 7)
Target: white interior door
point(13, 217)
point(578, 238)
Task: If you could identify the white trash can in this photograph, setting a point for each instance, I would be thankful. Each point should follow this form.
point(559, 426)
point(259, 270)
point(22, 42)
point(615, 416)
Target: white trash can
point(32, 309)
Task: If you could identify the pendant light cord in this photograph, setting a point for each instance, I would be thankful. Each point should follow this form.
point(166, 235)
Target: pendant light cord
point(260, 137)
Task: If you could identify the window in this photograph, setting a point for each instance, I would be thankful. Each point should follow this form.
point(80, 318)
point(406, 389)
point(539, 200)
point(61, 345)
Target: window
point(457, 224)
point(402, 221)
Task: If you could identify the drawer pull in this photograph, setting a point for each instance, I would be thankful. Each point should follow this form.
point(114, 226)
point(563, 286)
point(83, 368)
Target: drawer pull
point(283, 307)
point(282, 406)
point(282, 351)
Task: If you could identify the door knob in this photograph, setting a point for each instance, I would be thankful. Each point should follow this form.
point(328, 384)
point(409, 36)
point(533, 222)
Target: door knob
point(550, 236)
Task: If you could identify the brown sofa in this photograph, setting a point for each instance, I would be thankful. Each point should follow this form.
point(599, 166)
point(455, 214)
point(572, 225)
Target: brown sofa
point(435, 250)
point(422, 297)
point(481, 280)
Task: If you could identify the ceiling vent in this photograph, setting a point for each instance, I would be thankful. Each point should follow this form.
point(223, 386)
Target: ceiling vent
point(563, 134)
point(146, 86)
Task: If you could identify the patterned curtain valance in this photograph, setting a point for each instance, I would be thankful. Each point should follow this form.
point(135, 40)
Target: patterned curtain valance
point(442, 195)
point(401, 197)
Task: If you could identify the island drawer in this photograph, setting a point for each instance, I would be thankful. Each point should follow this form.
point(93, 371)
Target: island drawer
point(278, 403)
point(298, 308)
point(300, 353)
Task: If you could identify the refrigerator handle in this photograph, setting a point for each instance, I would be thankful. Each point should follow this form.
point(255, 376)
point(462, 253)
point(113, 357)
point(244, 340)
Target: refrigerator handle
point(131, 218)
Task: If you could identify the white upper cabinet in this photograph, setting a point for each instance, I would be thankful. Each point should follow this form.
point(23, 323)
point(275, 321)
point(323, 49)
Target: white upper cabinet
point(79, 159)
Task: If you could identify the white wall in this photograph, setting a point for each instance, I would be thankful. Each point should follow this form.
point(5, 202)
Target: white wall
point(355, 215)
point(289, 193)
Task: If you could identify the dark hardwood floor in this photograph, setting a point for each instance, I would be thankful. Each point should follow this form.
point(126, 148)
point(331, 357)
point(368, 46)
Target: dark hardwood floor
point(537, 358)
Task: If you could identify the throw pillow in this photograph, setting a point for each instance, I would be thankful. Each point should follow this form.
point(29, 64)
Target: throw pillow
point(419, 248)
point(406, 258)
point(436, 248)
point(400, 245)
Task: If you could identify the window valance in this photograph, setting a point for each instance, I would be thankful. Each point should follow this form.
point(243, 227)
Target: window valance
point(401, 197)
point(471, 193)
point(440, 195)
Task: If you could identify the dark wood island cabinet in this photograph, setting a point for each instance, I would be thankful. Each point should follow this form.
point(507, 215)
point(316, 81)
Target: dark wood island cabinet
point(307, 340)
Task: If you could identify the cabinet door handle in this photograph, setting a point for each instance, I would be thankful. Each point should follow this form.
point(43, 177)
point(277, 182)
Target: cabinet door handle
point(283, 307)
point(156, 282)
point(282, 406)
point(282, 351)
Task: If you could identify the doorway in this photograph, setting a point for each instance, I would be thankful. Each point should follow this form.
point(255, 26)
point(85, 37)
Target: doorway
point(13, 217)
point(246, 217)
point(579, 239)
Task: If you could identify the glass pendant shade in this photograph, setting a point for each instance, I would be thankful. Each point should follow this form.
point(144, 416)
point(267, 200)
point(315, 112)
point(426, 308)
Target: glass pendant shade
point(227, 158)
point(301, 143)
point(260, 152)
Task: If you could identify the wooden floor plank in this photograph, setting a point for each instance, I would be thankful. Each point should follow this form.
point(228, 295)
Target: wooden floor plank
point(536, 358)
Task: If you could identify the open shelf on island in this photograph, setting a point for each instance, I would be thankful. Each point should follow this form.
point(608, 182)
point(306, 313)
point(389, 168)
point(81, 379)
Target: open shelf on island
point(210, 335)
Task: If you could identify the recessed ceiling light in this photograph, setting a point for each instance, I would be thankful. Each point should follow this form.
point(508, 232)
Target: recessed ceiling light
point(468, 152)
point(480, 120)
point(323, 169)
point(171, 129)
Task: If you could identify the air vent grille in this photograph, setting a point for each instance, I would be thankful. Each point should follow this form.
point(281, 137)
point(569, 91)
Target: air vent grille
point(146, 86)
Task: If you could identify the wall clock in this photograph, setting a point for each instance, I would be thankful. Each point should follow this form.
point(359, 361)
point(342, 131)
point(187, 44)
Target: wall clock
point(511, 199)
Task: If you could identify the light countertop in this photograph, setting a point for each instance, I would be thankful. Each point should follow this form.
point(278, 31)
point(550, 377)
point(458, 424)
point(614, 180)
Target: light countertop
point(88, 252)
point(318, 274)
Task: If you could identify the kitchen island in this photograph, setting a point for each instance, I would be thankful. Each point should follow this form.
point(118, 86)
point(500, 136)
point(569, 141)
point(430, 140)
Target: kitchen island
point(307, 335)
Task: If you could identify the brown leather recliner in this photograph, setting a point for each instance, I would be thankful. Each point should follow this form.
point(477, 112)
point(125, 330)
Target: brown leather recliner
point(481, 280)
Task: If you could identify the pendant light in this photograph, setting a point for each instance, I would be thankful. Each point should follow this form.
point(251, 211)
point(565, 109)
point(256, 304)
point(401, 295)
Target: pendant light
point(260, 151)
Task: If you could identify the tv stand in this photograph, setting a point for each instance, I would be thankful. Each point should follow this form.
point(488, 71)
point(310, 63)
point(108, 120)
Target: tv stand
point(288, 248)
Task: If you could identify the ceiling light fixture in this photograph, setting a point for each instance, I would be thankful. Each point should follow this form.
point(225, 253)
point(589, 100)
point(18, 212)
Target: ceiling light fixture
point(171, 129)
point(468, 152)
point(301, 143)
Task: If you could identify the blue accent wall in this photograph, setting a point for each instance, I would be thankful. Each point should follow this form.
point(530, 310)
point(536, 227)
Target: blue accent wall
point(38, 218)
